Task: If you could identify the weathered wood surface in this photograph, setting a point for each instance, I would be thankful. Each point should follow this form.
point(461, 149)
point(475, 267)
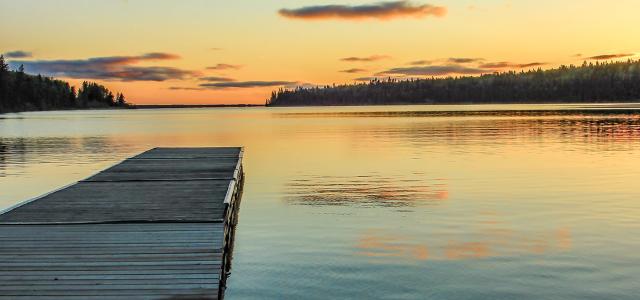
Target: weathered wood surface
point(169, 169)
point(129, 232)
point(127, 201)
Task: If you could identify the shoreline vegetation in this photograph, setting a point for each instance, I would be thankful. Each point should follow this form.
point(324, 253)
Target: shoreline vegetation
point(612, 82)
point(589, 83)
point(25, 92)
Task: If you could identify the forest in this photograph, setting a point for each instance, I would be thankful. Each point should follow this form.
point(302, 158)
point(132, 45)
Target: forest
point(24, 92)
point(590, 82)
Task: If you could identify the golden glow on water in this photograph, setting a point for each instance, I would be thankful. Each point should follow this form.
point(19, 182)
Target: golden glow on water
point(507, 202)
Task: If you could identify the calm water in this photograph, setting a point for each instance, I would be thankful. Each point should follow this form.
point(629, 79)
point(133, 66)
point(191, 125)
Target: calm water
point(403, 202)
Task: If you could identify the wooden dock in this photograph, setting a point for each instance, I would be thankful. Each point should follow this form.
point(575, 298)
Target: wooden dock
point(159, 225)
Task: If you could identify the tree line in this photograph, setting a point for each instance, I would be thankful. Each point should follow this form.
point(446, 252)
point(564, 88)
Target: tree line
point(24, 92)
point(590, 82)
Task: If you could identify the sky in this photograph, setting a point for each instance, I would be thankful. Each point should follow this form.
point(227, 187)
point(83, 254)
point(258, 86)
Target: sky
point(232, 52)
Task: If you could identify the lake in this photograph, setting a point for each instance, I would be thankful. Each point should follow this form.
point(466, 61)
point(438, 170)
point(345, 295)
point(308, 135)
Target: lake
point(399, 202)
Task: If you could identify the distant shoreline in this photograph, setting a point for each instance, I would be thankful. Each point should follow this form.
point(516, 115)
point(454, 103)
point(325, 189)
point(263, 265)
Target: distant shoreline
point(180, 106)
point(159, 106)
point(146, 106)
point(622, 102)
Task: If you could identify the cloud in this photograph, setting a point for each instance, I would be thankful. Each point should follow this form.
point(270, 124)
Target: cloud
point(185, 88)
point(131, 73)
point(109, 68)
point(420, 62)
point(365, 59)
point(463, 60)
point(215, 49)
point(217, 79)
point(506, 64)
point(380, 11)
point(18, 54)
point(158, 56)
point(436, 70)
point(245, 84)
point(354, 70)
point(224, 67)
point(610, 56)
point(450, 60)
point(532, 64)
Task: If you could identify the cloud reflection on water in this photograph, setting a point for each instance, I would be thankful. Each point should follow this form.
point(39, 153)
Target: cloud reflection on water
point(491, 242)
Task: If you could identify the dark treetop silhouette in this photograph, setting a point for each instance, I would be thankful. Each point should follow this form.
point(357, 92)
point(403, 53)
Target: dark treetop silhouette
point(23, 92)
point(599, 82)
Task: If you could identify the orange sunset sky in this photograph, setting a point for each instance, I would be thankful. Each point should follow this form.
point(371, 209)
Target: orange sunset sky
point(226, 52)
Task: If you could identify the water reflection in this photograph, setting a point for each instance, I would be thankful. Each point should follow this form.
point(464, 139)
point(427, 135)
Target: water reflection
point(3, 158)
point(592, 134)
point(379, 243)
point(17, 152)
point(527, 201)
point(490, 242)
point(365, 190)
point(469, 133)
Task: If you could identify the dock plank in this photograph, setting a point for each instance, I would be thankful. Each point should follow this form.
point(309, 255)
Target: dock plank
point(159, 225)
point(126, 201)
point(208, 152)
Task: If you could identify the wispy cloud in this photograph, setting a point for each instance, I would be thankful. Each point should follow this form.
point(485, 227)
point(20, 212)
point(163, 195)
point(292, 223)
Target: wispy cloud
point(498, 65)
point(219, 83)
point(610, 56)
point(185, 88)
point(435, 70)
point(157, 56)
point(354, 70)
point(450, 60)
point(506, 64)
point(18, 54)
point(381, 11)
point(224, 67)
point(532, 64)
point(245, 84)
point(217, 79)
point(131, 73)
point(452, 66)
point(464, 60)
point(420, 62)
point(365, 59)
point(109, 68)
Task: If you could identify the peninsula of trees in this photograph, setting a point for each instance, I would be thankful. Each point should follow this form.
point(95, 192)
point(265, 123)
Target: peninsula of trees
point(23, 92)
point(599, 82)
